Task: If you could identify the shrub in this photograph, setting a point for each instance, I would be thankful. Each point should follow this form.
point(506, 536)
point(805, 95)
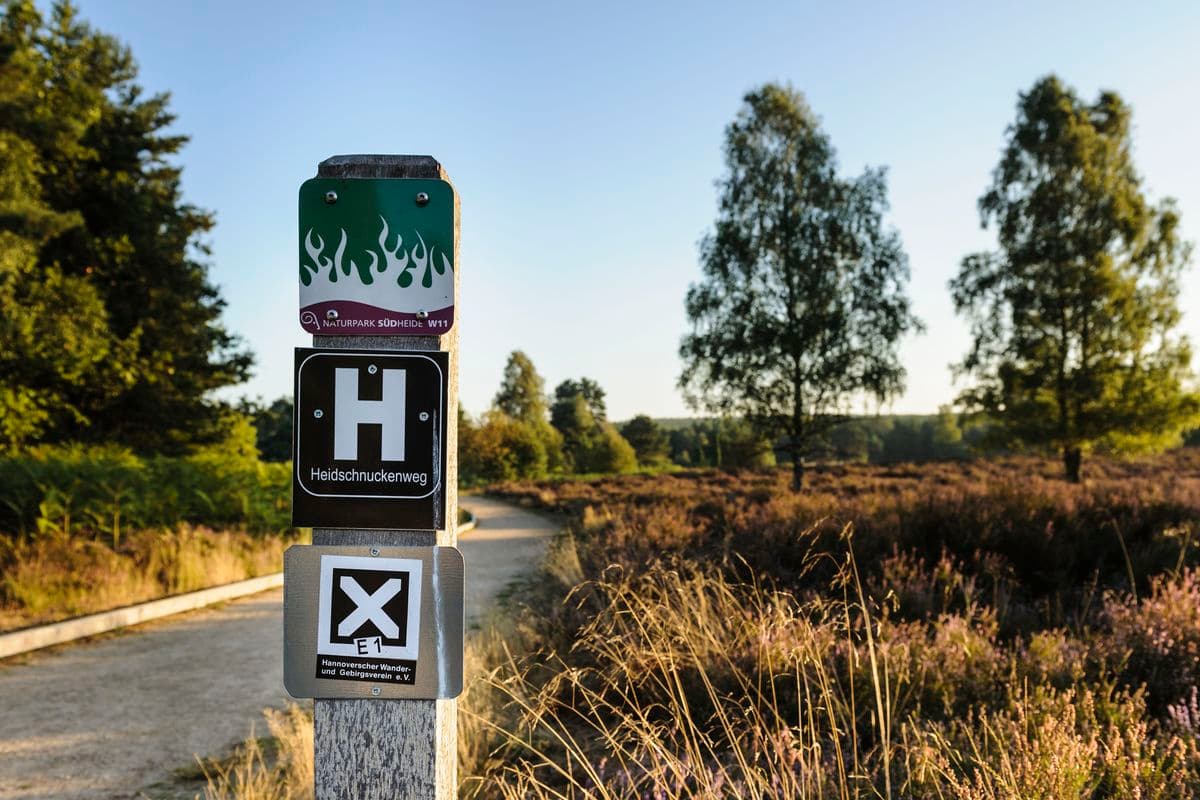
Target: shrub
point(648, 440)
point(894, 632)
point(503, 449)
point(1156, 642)
point(607, 452)
point(106, 491)
point(718, 643)
point(1079, 743)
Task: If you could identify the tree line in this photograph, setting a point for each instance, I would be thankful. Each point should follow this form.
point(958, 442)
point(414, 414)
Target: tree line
point(496, 446)
point(529, 434)
point(803, 304)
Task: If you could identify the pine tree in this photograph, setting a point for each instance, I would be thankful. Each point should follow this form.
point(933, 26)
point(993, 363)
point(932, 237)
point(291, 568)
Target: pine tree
point(114, 220)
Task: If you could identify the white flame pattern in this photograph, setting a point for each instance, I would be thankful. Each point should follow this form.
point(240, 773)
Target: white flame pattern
point(394, 258)
point(412, 278)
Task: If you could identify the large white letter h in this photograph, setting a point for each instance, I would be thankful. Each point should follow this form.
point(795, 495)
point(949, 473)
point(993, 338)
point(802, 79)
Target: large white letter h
point(350, 412)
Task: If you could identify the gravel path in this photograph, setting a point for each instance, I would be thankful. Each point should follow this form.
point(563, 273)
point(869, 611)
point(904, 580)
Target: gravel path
point(106, 717)
point(508, 543)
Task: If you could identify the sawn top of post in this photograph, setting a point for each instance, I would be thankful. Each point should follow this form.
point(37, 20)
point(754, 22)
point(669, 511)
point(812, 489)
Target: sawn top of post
point(382, 166)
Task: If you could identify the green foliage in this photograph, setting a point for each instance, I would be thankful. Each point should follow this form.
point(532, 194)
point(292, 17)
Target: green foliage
point(859, 440)
point(522, 390)
point(1073, 318)
point(744, 447)
point(118, 336)
point(588, 389)
point(108, 490)
point(647, 439)
point(57, 354)
point(696, 444)
point(273, 426)
point(502, 448)
point(589, 442)
point(919, 439)
point(802, 302)
point(882, 439)
point(607, 452)
point(724, 443)
point(514, 440)
point(572, 417)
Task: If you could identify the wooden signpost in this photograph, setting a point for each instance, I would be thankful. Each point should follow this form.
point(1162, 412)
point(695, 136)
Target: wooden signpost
point(376, 459)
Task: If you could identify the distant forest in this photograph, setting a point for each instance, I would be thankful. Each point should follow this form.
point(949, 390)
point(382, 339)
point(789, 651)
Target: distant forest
point(730, 444)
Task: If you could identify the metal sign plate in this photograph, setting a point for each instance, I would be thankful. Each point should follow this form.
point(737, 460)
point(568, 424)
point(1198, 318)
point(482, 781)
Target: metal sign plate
point(376, 256)
point(370, 432)
point(382, 622)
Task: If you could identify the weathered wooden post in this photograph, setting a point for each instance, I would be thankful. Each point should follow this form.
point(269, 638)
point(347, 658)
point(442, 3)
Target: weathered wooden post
point(370, 477)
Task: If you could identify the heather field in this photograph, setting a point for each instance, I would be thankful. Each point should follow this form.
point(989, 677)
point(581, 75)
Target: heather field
point(959, 630)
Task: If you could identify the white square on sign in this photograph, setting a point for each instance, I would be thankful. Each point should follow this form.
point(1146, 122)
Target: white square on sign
point(369, 607)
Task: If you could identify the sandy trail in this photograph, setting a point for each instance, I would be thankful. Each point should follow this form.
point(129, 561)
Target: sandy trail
point(508, 543)
point(104, 718)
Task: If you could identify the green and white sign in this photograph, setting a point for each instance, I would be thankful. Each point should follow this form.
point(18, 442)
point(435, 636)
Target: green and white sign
point(376, 256)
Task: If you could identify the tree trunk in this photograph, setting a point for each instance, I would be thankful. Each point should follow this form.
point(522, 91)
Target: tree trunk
point(797, 473)
point(1072, 459)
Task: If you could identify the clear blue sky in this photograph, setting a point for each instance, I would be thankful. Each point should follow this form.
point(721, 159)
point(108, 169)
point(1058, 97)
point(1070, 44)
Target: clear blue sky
point(584, 140)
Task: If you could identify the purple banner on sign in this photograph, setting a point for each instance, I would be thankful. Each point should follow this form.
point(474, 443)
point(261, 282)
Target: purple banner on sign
point(350, 317)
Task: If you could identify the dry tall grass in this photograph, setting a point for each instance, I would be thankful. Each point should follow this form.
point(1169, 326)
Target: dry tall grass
point(687, 686)
point(56, 577)
point(282, 770)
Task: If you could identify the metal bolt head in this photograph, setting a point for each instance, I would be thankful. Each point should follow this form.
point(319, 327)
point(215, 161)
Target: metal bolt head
point(331, 197)
point(375, 690)
point(331, 314)
point(374, 551)
point(422, 314)
point(372, 369)
point(422, 199)
point(424, 416)
point(318, 413)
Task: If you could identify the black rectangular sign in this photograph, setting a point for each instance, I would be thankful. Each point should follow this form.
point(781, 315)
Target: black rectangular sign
point(369, 439)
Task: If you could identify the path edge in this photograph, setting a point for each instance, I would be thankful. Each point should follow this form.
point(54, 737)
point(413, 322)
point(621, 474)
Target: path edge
point(35, 638)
